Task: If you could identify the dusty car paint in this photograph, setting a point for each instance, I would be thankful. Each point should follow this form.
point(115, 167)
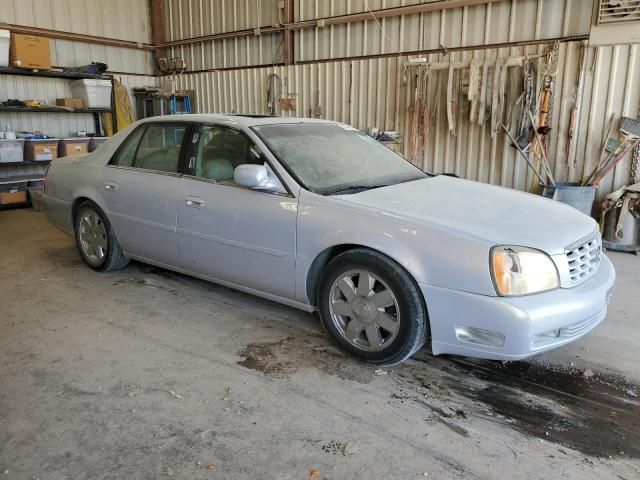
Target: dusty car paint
point(439, 229)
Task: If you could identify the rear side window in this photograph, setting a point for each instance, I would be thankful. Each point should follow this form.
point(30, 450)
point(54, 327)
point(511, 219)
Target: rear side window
point(127, 153)
point(156, 147)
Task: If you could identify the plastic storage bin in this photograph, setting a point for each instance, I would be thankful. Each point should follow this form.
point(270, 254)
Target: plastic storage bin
point(95, 142)
point(12, 192)
point(4, 47)
point(40, 149)
point(572, 194)
point(94, 93)
point(73, 147)
point(11, 151)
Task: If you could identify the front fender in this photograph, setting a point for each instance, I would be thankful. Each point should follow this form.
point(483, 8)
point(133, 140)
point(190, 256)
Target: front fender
point(432, 255)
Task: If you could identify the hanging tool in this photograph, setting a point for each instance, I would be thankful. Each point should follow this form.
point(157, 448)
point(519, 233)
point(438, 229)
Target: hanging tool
point(450, 106)
point(545, 162)
point(572, 159)
point(474, 86)
point(606, 142)
point(528, 99)
point(523, 154)
point(483, 93)
point(630, 133)
point(495, 94)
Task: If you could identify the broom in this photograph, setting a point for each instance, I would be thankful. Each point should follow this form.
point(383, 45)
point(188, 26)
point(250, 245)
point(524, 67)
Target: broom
point(630, 131)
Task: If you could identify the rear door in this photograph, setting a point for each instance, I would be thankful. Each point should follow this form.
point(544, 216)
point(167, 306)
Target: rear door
point(140, 187)
point(229, 232)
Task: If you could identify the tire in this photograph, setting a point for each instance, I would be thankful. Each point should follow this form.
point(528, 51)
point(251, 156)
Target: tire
point(391, 321)
point(95, 239)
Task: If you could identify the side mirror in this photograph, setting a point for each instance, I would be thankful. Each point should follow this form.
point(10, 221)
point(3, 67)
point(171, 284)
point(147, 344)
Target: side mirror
point(258, 177)
point(251, 175)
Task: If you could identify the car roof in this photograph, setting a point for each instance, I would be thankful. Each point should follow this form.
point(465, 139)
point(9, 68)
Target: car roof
point(235, 119)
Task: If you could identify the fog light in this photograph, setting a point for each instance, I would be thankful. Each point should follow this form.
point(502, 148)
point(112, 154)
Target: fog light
point(550, 334)
point(609, 294)
point(480, 336)
point(543, 339)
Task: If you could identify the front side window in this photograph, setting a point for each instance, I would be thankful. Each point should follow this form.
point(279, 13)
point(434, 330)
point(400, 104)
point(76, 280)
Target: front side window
point(218, 151)
point(156, 147)
point(329, 158)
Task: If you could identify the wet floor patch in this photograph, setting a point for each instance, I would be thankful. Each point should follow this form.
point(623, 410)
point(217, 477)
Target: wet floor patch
point(283, 357)
point(596, 414)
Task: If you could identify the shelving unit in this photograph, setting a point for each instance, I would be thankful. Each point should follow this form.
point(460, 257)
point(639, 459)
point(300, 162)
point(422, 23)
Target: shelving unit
point(52, 110)
point(35, 171)
point(67, 76)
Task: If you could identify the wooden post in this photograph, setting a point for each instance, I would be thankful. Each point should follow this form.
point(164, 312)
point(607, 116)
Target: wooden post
point(289, 56)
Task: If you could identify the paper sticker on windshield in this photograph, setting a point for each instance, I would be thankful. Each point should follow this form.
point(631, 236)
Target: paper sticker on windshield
point(347, 127)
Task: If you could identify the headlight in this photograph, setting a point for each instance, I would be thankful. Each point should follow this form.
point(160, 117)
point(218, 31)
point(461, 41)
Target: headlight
point(522, 270)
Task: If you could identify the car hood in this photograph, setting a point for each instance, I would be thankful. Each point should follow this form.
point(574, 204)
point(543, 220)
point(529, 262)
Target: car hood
point(495, 214)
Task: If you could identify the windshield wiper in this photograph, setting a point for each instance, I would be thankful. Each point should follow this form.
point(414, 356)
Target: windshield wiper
point(356, 189)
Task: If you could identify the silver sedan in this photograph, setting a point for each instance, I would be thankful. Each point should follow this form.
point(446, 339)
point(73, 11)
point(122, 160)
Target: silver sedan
point(319, 216)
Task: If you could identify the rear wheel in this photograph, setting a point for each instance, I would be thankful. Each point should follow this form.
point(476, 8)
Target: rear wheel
point(96, 241)
point(372, 307)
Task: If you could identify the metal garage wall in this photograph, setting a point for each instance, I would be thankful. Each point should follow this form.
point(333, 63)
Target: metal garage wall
point(489, 24)
point(195, 18)
point(120, 19)
point(379, 93)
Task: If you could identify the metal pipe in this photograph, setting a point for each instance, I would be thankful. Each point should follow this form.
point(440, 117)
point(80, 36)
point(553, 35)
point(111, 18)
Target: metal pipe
point(76, 37)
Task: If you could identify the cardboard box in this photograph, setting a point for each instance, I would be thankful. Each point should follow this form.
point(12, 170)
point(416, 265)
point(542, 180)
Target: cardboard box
point(72, 147)
point(29, 51)
point(13, 196)
point(70, 102)
point(40, 150)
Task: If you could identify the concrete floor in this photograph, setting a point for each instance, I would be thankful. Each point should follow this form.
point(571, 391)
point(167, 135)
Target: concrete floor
point(143, 373)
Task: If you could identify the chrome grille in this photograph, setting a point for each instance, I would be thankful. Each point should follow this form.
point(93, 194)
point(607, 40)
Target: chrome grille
point(583, 258)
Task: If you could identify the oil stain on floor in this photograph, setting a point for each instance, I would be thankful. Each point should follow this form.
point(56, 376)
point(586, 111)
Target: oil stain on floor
point(597, 415)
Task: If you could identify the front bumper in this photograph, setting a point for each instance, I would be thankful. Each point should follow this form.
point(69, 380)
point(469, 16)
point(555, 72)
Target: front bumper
point(524, 321)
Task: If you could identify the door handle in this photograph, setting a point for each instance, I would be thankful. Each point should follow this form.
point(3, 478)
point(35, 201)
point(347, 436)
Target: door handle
point(110, 186)
point(194, 202)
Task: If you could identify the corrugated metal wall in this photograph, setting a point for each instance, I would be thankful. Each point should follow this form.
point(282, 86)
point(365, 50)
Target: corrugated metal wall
point(499, 22)
point(379, 93)
point(195, 18)
point(120, 19)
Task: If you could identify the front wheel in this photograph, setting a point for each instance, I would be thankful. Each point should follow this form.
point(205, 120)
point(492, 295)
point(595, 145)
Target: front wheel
point(96, 241)
point(372, 307)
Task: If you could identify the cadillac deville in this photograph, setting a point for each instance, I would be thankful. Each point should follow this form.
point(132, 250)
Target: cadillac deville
point(319, 216)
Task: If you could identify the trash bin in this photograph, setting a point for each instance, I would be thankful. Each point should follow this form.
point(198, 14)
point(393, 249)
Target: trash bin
point(572, 193)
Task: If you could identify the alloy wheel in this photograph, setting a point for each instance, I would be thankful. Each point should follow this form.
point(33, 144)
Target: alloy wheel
point(93, 236)
point(364, 310)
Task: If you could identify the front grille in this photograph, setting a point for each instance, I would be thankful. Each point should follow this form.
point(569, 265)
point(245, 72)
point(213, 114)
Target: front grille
point(583, 258)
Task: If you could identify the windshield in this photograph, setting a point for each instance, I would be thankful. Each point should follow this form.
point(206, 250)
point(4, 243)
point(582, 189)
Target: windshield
point(334, 158)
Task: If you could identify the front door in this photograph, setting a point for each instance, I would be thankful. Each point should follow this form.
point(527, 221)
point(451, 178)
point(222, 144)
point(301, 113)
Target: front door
point(232, 233)
point(139, 189)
